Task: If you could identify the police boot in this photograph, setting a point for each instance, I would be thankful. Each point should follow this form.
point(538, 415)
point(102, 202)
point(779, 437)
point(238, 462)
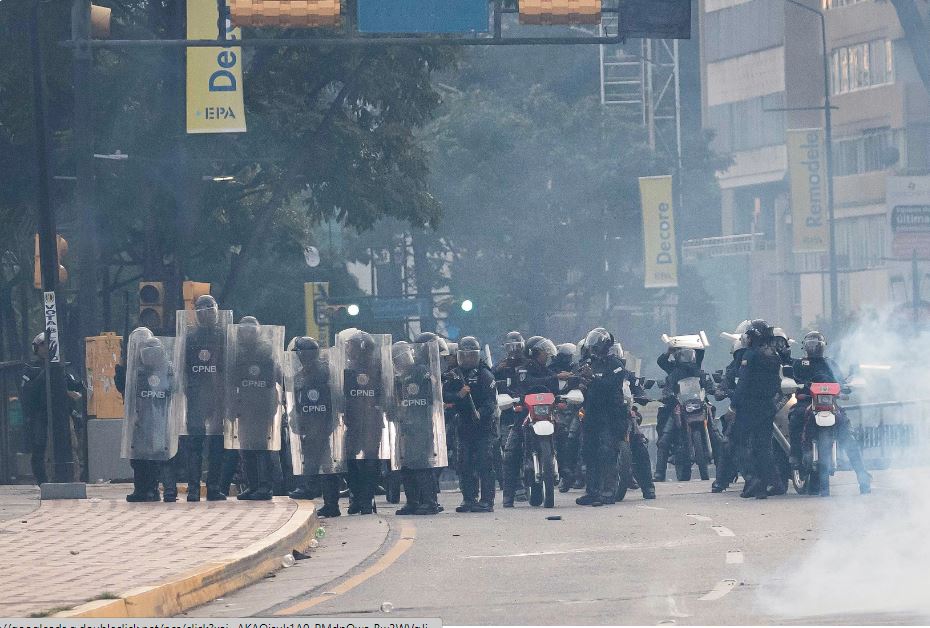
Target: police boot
point(589, 500)
point(329, 510)
point(413, 503)
point(301, 492)
point(214, 495)
point(718, 487)
point(565, 483)
point(466, 506)
point(578, 484)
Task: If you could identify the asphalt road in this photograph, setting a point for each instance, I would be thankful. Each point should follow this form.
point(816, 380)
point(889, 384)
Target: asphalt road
point(688, 557)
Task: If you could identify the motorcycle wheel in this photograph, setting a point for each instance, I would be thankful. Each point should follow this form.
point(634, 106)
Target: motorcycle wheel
point(824, 459)
point(547, 458)
point(700, 453)
point(625, 466)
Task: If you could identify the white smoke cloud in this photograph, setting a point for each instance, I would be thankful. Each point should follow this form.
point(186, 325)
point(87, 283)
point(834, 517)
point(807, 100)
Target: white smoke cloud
point(873, 551)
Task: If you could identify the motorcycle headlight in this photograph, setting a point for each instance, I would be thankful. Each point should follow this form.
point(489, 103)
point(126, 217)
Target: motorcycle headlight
point(692, 406)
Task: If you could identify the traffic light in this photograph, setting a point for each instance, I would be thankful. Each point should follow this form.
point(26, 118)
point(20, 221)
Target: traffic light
point(550, 12)
point(100, 22)
point(191, 291)
point(62, 246)
point(285, 13)
point(152, 304)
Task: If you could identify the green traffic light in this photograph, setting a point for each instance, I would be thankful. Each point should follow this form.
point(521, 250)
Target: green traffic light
point(467, 305)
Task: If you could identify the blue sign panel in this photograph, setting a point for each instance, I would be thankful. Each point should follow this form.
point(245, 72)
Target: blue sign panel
point(423, 16)
point(395, 308)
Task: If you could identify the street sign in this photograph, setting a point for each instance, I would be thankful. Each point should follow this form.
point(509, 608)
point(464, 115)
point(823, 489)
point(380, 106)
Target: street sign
point(656, 19)
point(423, 16)
point(51, 327)
point(908, 200)
point(395, 308)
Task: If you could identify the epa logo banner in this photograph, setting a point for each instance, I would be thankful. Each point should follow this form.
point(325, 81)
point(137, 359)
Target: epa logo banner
point(214, 75)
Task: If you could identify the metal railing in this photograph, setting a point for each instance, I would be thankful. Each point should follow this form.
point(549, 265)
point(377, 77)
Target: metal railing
point(892, 432)
point(13, 435)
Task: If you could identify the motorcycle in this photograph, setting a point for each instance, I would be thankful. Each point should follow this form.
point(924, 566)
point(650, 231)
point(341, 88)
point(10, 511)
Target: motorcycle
point(818, 439)
point(541, 470)
point(692, 413)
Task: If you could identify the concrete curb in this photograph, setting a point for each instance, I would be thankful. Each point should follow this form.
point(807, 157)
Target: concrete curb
point(211, 580)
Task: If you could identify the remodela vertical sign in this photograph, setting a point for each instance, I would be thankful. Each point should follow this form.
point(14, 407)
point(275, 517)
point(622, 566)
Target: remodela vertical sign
point(807, 171)
point(661, 261)
point(214, 75)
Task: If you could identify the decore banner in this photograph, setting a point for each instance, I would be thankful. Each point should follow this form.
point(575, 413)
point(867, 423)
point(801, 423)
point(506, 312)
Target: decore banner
point(214, 75)
point(661, 261)
point(315, 295)
point(807, 170)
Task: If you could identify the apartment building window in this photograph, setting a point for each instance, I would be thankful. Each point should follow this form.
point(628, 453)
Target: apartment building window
point(861, 66)
point(860, 241)
point(869, 152)
point(835, 4)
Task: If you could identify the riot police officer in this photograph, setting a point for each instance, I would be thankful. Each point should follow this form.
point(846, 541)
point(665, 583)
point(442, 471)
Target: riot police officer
point(816, 368)
point(606, 419)
point(470, 387)
point(368, 389)
point(152, 417)
point(735, 455)
point(507, 376)
point(255, 356)
point(678, 363)
point(313, 422)
point(204, 336)
point(754, 402)
point(568, 424)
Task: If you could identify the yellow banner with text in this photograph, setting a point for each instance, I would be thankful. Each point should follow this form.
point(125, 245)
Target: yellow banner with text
point(661, 262)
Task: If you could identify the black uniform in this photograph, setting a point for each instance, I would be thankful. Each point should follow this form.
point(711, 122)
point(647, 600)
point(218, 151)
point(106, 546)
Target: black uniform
point(735, 456)
point(605, 426)
point(567, 429)
point(754, 402)
point(478, 431)
point(508, 374)
point(823, 370)
point(364, 417)
point(312, 422)
point(204, 357)
point(416, 437)
point(532, 377)
point(257, 400)
point(665, 429)
point(36, 413)
point(153, 391)
point(642, 466)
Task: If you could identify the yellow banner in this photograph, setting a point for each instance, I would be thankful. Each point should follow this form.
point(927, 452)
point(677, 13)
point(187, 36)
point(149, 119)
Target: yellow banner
point(214, 75)
point(807, 171)
point(315, 295)
point(661, 262)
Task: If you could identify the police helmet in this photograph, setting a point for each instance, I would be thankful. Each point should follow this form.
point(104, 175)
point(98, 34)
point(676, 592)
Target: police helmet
point(402, 355)
point(514, 344)
point(598, 342)
point(152, 352)
point(428, 336)
point(468, 353)
point(546, 346)
point(360, 346)
point(206, 309)
point(814, 344)
point(528, 346)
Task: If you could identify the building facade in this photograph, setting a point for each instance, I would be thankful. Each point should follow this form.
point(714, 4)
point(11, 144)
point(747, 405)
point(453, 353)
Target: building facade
point(762, 75)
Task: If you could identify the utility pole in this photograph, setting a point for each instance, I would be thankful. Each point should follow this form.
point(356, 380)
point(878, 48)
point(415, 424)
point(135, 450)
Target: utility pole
point(57, 413)
point(84, 166)
point(828, 141)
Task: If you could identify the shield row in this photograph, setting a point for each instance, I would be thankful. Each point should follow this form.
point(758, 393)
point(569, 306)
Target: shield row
point(352, 401)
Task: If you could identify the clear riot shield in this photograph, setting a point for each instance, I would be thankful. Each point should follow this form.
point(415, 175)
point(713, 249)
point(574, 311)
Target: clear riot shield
point(254, 387)
point(368, 391)
point(153, 398)
point(203, 370)
point(418, 417)
point(314, 414)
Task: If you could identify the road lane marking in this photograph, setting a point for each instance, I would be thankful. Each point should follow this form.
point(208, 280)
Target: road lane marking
point(722, 588)
point(408, 534)
point(734, 557)
point(699, 517)
point(650, 508)
point(723, 531)
point(587, 550)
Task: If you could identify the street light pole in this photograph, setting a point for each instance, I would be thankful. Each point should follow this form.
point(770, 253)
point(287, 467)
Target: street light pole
point(828, 141)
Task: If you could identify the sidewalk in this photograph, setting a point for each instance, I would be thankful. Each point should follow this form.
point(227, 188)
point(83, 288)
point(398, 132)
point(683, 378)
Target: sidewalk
point(143, 559)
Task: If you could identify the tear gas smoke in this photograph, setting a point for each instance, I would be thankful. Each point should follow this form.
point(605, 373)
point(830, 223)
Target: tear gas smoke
point(873, 551)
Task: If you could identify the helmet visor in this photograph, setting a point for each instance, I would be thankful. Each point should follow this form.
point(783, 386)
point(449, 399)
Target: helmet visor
point(468, 358)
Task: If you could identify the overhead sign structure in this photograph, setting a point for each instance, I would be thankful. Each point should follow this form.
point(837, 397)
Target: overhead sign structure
point(807, 172)
point(661, 251)
point(51, 327)
point(908, 200)
point(656, 19)
point(423, 16)
point(214, 75)
point(395, 308)
point(316, 294)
